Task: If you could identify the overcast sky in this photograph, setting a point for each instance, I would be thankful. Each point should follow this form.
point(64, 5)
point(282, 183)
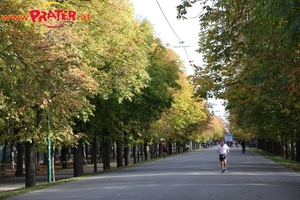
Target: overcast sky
point(178, 30)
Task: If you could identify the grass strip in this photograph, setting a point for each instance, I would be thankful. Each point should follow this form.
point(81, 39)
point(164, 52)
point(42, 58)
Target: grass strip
point(279, 159)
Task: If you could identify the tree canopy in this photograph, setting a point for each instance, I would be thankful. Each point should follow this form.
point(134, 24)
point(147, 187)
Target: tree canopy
point(251, 54)
point(70, 70)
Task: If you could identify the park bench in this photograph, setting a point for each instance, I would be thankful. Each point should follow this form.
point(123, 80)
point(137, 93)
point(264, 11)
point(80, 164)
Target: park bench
point(7, 169)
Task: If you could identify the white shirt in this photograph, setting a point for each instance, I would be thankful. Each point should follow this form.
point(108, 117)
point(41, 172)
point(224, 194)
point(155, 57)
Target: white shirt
point(224, 149)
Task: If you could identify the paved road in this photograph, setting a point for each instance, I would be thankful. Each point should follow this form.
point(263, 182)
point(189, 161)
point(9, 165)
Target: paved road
point(194, 175)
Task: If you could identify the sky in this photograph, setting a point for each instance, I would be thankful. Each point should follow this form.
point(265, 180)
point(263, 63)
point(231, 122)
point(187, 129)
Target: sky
point(184, 30)
point(162, 15)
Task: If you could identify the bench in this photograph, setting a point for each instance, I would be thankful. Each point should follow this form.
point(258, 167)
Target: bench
point(7, 169)
point(37, 169)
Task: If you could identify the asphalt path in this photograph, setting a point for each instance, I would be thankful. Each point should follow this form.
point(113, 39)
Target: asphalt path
point(192, 175)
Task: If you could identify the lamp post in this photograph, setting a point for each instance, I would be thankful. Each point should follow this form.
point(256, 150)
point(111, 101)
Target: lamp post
point(49, 170)
point(104, 157)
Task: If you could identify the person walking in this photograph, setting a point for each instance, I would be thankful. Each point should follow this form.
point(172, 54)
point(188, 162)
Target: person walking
point(223, 150)
point(243, 144)
point(165, 151)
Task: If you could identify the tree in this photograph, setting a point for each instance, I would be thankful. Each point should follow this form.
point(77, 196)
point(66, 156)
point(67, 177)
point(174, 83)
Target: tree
point(132, 117)
point(185, 119)
point(42, 79)
point(251, 62)
point(120, 67)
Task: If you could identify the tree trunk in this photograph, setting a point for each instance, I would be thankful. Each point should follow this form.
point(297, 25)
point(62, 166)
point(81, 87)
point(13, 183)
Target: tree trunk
point(107, 154)
point(84, 155)
point(151, 150)
point(279, 148)
point(105, 149)
point(78, 159)
point(264, 144)
point(12, 156)
point(114, 151)
point(94, 150)
point(269, 146)
point(170, 147)
point(37, 158)
point(177, 147)
point(145, 151)
point(64, 157)
point(30, 160)
point(45, 162)
point(127, 155)
point(298, 150)
point(126, 150)
point(94, 154)
point(134, 154)
point(293, 155)
point(259, 144)
point(4, 152)
point(286, 147)
point(69, 152)
point(87, 152)
point(20, 150)
point(140, 152)
point(101, 152)
point(119, 155)
point(160, 150)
